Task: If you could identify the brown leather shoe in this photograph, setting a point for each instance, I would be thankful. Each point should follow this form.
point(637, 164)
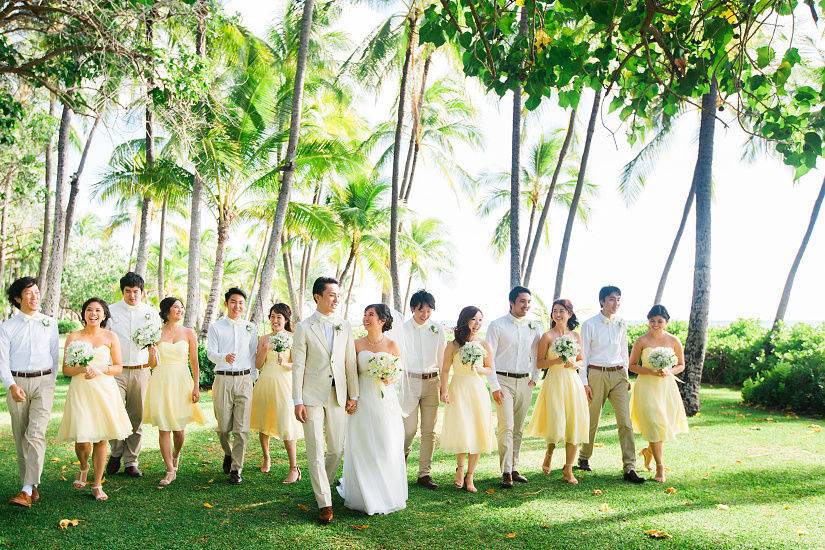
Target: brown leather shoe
point(21, 499)
point(325, 515)
point(518, 477)
point(427, 482)
point(35, 494)
point(507, 480)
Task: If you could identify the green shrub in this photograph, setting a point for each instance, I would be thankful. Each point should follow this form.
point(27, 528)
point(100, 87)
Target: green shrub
point(207, 367)
point(732, 352)
point(798, 385)
point(65, 326)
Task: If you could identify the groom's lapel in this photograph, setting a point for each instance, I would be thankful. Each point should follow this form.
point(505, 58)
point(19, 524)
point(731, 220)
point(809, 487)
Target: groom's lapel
point(315, 326)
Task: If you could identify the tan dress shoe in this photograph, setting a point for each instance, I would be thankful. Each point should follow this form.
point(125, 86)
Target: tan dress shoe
point(21, 499)
point(35, 494)
point(325, 515)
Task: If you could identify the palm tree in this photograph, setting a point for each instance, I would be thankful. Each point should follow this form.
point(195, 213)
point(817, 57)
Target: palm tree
point(48, 205)
point(428, 252)
point(146, 203)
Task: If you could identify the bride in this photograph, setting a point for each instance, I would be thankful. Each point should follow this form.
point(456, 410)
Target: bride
point(375, 473)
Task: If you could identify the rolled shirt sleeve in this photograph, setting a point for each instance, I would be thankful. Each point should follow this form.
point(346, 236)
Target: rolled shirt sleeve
point(492, 341)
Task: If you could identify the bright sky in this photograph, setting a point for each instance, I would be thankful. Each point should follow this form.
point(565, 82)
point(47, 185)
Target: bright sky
point(759, 216)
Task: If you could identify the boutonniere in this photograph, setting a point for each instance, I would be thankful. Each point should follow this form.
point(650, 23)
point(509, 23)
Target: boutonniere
point(249, 327)
point(434, 329)
point(531, 325)
point(45, 322)
point(337, 328)
point(148, 316)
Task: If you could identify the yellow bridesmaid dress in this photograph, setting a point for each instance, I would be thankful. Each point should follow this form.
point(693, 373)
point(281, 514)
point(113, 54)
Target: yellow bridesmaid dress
point(168, 403)
point(94, 410)
point(656, 408)
point(561, 413)
point(272, 410)
point(468, 418)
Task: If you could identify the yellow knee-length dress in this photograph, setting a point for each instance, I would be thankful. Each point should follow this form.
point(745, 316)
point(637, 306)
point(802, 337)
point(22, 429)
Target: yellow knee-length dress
point(94, 410)
point(468, 418)
point(656, 408)
point(561, 413)
point(272, 410)
point(168, 403)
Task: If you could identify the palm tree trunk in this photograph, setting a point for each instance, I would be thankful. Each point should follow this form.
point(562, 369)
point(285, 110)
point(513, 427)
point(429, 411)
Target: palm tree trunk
point(268, 270)
point(409, 167)
point(135, 231)
point(529, 241)
point(74, 185)
point(786, 292)
point(256, 276)
point(217, 276)
point(412, 20)
point(142, 260)
point(162, 248)
point(353, 250)
point(51, 301)
point(660, 290)
point(407, 294)
point(193, 271)
point(48, 206)
point(571, 215)
point(548, 200)
point(700, 303)
point(515, 174)
point(289, 276)
point(349, 292)
point(143, 242)
point(4, 214)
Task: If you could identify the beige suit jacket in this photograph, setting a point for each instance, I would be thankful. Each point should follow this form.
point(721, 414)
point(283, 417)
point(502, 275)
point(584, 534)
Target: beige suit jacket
point(314, 366)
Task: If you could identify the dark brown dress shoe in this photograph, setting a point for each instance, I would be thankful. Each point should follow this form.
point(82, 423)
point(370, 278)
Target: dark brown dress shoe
point(132, 471)
point(325, 515)
point(507, 480)
point(35, 494)
point(427, 482)
point(584, 465)
point(632, 477)
point(113, 466)
point(227, 464)
point(235, 477)
point(21, 499)
point(518, 477)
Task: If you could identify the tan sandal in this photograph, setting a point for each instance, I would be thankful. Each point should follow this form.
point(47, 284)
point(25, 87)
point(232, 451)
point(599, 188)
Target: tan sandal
point(170, 477)
point(97, 492)
point(80, 482)
point(288, 481)
point(469, 486)
point(459, 485)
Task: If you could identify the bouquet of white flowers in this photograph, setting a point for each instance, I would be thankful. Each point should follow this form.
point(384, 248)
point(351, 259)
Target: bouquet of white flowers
point(280, 342)
point(566, 347)
point(384, 366)
point(146, 336)
point(661, 358)
point(472, 353)
point(79, 353)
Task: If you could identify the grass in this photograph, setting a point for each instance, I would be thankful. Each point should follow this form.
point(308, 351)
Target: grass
point(767, 469)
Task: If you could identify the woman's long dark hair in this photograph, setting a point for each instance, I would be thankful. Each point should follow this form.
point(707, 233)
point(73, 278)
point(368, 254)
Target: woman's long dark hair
point(284, 310)
point(462, 329)
point(573, 321)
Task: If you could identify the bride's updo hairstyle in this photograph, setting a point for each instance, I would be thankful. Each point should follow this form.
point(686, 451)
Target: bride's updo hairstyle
point(462, 328)
point(166, 305)
point(573, 321)
point(658, 311)
point(382, 311)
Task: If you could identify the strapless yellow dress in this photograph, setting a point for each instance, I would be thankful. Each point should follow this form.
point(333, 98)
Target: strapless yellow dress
point(272, 411)
point(94, 410)
point(168, 402)
point(468, 417)
point(656, 408)
point(561, 413)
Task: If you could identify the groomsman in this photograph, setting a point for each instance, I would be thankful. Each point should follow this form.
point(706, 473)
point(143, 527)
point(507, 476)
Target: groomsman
point(513, 340)
point(128, 315)
point(424, 344)
point(28, 367)
point(324, 388)
point(231, 345)
point(605, 377)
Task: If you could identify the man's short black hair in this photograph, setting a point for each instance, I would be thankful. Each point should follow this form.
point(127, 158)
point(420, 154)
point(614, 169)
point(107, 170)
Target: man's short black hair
point(15, 290)
point(422, 298)
point(607, 291)
point(231, 292)
point(321, 283)
point(133, 280)
point(514, 294)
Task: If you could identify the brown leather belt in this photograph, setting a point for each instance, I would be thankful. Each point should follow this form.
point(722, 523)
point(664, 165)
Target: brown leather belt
point(424, 376)
point(135, 367)
point(514, 374)
point(233, 372)
point(619, 367)
point(31, 374)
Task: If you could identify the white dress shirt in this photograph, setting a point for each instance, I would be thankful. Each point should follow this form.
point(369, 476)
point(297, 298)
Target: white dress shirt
point(227, 336)
point(328, 323)
point(28, 343)
point(423, 347)
point(514, 343)
point(604, 343)
point(125, 321)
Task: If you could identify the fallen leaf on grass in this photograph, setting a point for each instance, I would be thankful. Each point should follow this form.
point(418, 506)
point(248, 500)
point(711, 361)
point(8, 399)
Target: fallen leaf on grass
point(490, 491)
point(657, 534)
point(76, 463)
point(597, 492)
point(739, 462)
point(815, 428)
point(740, 415)
point(66, 523)
point(670, 490)
point(210, 481)
point(303, 507)
point(604, 507)
point(360, 527)
point(706, 475)
point(722, 507)
point(598, 445)
point(55, 459)
point(787, 507)
point(207, 505)
point(544, 526)
point(510, 535)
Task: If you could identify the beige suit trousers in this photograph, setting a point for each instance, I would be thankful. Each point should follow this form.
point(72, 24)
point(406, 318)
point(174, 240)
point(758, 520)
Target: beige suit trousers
point(132, 384)
point(29, 421)
point(517, 395)
point(615, 387)
point(427, 404)
point(232, 402)
point(325, 424)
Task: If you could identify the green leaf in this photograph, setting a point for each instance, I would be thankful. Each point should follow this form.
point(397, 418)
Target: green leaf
point(764, 56)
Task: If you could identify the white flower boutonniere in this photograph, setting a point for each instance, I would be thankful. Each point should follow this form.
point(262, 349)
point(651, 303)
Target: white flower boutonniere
point(45, 322)
point(147, 316)
point(337, 328)
point(434, 329)
point(249, 327)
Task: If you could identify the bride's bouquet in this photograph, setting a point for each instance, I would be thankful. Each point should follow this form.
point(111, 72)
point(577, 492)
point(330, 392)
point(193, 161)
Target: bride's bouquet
point(147, 335)
point(79, 353)
point(384, 367)
point(566, 347)
point(280, 342)
point(471, 353)
point(661, 358)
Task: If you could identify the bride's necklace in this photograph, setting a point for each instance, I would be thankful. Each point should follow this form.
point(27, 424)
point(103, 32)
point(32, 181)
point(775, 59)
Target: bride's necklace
point(370, 342)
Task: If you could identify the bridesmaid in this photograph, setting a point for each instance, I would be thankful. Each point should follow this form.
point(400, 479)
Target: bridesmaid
point(656, 408)
point(94, 412)
point(272, 411)
point(468, 421)
point(561, 413)
point(172, 394)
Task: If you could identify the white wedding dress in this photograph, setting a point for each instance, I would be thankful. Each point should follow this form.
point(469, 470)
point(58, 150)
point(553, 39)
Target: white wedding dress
point(374, 479)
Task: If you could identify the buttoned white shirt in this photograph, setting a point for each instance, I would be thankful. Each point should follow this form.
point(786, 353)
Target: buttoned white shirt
point(328, 323)
point(28, 343)
point(125, 321)
point(604, 343)
point(514, 343)
point(226, 336)
point(423, 347)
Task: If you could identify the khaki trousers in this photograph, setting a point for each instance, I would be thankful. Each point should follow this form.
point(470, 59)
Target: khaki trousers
point(517, 395)
point(325, 424)
point(615, 387)
point(132, 384)
point(427, 403)
point(232, 403)
point(29, 421)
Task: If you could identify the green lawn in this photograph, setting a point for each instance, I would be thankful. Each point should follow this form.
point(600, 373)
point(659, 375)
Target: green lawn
point(766, 470)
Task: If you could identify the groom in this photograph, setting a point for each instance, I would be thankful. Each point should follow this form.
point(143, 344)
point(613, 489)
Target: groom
point(324, 388)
